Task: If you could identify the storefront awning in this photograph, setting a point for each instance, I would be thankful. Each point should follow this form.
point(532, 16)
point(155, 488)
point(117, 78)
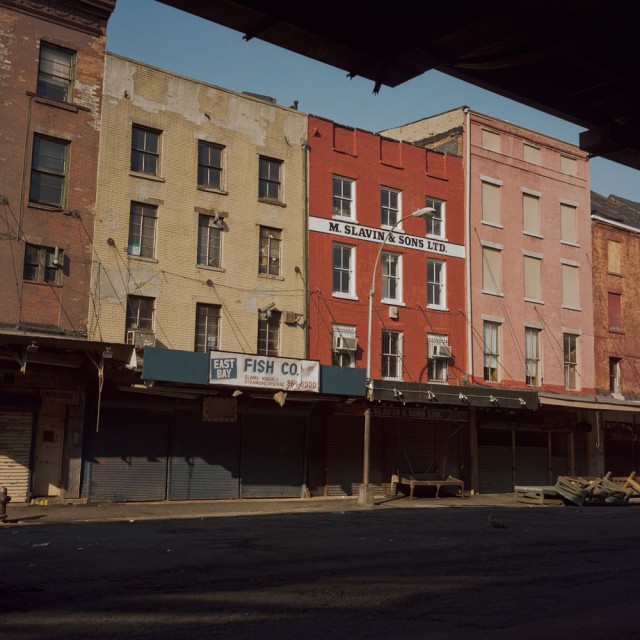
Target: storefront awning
point(592, 404)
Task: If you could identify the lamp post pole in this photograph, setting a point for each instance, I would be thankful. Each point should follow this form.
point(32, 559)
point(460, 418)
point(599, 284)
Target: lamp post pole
point(365, 495)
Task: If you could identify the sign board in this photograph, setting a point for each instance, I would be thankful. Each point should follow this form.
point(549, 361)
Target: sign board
point(249, 370)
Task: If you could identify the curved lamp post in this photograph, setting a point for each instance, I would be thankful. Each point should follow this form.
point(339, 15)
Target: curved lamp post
point(365, 495)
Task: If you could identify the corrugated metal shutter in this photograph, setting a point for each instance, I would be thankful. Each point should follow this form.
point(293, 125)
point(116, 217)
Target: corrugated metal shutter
point(204, 457)
point(495, 461)
point(559, 456)
point(344, 454)
point(272, 456)
point(130, 454)
point(619, 456)
point(16, 428)
point(532, 458)
point(580, 443)
point(410, 446)
point(449, 445)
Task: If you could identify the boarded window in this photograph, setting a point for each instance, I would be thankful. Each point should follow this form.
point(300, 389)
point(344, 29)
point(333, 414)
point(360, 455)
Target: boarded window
point(490, 140)
point(568, 165)
point(530, 213)
point(531, 154)
point(568, 230)
point(532, 289)
point(491, 270)
point(570, 287)
point(614, 256)
point(490, 203)
point(615, 311)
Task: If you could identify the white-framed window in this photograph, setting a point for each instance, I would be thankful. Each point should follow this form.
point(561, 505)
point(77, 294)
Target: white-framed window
point(435, 225)
point(270, 179)
point(143, 220)
point(436, 297)
point(344, 345)
point(533, 373)
point(568, 223)
point(390, 206)
point(491, 350)
point(344, 194)
point(531, 153)
point(391, 277)
point(145, 150)
point(268, 332)
point(49, 168)
point(343, 270)
point(490, 140)
point(438, 354)
point(615, 384)
point(55, 72)
point(491, 270)
point(570, 286)
point(207, 328)
point(269, 253)
point(570, 347)
point(210, 158)
point(209, 241)
point(531, 214)
point(491, 194)
point(391, 355)
point(532, 278)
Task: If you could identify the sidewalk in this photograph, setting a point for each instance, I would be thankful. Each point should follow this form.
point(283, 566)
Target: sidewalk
point(23, 514)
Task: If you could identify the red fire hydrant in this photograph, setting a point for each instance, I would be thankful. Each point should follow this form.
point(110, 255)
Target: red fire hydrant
point(4, 498)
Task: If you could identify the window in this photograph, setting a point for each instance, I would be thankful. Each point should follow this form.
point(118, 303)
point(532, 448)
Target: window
point(343, 197)
point(140, 311)
point(435, 284)
point(43, 264)
point(55, 72)
point(345, 344)
point(210, 241)
point(389, 206)
point(568, 165)
point(490, 140)
point(531, 154)
point(391, 355)
point(532, 357)
point(343, 280)
point(491, 203)
point(438, 354)
point(270, 246)
point(207, 327)
point(391, 290)
point(615, 311)
point(532, 269)
point(491, 270)
point(570, 360)
point(145, 150)
point(268, 333)
point(209, 165)
point(270, 179)
point(570, 286)
point(614, 375)
point(568, 229)
point(435, 225)
point(48, 171)
point(491, 350)
point(530, 214)
point(142, 230)
point(614, 257)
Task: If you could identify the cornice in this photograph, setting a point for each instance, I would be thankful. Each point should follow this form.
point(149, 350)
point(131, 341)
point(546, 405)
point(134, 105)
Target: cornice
point(89, 16)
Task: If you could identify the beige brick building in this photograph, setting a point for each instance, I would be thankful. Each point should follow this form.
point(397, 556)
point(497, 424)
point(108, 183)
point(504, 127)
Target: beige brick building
point(200, 225)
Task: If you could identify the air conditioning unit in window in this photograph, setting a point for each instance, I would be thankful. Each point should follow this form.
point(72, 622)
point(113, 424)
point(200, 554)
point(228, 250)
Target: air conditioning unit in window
point(141, 339)
point(345, 343)
point(58, 258)
point(440, 351)
point(212, 344)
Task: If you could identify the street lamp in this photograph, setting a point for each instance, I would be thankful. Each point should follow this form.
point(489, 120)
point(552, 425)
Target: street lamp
point(365, 495)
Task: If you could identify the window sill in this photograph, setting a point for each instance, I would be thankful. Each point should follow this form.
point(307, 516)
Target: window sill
point(493, 293)
point(615, 274)
point(143, 258)
point(393, 303)
point(534, 300)
point(45, 207)
point(209, 267)
point(571, 308)
point(344, 296)
point(436, 308)
point(146, 176)
point(277, 203)
point(495, 225)
point(59, 104)
point(570, 244)
point(345, 219)
point(41, 283)
point(616, 330)
point(436, 238)
point(220, 192)
point(270, 276)
point(531, 234)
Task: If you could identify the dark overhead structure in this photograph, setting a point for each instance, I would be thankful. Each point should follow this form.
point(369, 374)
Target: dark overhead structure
point(574, 59)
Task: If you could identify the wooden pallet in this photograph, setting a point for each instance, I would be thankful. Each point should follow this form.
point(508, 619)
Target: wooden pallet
point(537, 495)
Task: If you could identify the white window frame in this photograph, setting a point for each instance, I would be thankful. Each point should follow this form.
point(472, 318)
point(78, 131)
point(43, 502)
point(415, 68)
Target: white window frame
point(389, 259)
point(209, 241)
point(533, 360)
point(387, 208)
point(342, 268)
point(343, 357)
point(436, 224)
point(437, 368)
point(347, 202)
point(394, 360)
point(207, 327)
point(147, 217)
point(570, 361)
point(491, 350)
point(437, 286)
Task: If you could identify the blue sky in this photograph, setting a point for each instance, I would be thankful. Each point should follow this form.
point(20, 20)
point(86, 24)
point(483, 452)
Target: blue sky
point(151, 32)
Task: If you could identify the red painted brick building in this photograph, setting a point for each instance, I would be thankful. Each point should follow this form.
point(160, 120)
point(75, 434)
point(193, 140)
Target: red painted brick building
point(360, 186)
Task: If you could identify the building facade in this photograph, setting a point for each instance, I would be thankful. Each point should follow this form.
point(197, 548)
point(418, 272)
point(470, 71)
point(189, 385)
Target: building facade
point(51, 85)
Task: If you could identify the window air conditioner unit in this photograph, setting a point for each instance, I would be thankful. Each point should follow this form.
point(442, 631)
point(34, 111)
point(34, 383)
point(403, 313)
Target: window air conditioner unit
point(344, 343)
point(141, 339)
point(58, 258)
point(289, 317)
point(441, 351)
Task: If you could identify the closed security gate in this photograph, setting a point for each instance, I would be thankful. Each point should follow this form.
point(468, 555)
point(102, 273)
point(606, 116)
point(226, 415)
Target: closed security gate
point(495, 461)
point(272, 460)
point(204, 457)
point(16, 428)
point(344, 455)
point(130, 454)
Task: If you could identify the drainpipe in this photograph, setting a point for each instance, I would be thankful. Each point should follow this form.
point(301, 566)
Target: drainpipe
point(305, 276)
point(467, 241)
